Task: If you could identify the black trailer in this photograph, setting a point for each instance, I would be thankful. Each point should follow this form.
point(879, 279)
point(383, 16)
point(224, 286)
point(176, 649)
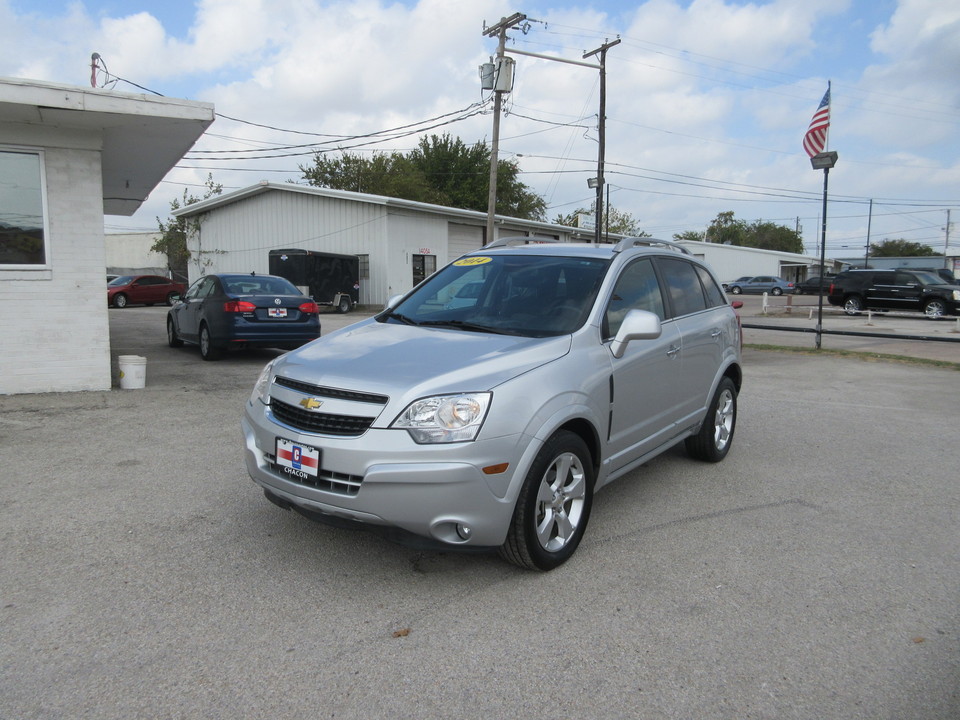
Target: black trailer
point(329, 278)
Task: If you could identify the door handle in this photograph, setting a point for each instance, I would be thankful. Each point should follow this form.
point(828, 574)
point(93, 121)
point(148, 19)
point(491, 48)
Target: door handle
point(673, 350)
point(716, 333)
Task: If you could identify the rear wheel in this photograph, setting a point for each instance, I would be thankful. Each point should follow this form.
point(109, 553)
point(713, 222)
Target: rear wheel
point(935, 309)
point(853, 305)
point(776, 291)
point(554, 505)
point(736, 290)
point(173, 340)
point(208, 351)
point(119, 300)
point(344, 305)
point(713, 441)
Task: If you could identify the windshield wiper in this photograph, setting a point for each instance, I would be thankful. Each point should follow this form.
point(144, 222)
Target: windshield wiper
point(402, 318)
point(474, 327)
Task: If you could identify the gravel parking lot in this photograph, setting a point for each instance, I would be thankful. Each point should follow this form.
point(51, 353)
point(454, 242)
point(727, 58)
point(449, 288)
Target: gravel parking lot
point(815, 573)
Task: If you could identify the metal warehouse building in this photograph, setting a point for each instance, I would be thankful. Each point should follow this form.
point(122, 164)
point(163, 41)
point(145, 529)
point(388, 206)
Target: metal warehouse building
point(399, 242)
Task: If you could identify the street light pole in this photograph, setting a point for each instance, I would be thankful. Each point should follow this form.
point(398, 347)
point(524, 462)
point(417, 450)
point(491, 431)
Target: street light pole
point(823, 161)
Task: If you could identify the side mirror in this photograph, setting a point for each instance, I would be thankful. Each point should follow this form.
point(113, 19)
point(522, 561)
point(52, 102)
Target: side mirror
point(637, 325)
point(392, 302)
point(176, 297)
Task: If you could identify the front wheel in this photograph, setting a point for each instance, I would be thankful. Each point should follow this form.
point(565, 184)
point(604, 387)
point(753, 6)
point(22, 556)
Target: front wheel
point(554, 505)
point(208, 351)
point(735, 290)
point(119, 300)
point(712, 442)
point(853, 305)
point(776, 291)
point(173, 340)
point(935, 309)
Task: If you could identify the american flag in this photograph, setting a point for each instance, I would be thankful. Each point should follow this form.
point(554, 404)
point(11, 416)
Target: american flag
point(815, 140)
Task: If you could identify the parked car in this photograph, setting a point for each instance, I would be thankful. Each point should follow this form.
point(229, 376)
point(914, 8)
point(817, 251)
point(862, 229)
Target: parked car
point(233, 311)
point(812, 285)
point(742, 279)
point(142, 290)
point(761, 284)
point(909, 290)
point(491, 425)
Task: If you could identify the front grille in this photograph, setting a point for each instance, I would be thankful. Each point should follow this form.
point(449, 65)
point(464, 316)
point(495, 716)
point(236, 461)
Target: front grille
point(334, 482)
point(320, 391)
point(319, 423)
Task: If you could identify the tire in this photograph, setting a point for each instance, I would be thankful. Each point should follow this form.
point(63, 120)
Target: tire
point(208, 351)
point(935, 309)
point(712, 442)
point(119, 300)
point(853, 305)
point(553, 506)
point(344, 305)
point(776, 291)
point(173, 340)
point(736, 290)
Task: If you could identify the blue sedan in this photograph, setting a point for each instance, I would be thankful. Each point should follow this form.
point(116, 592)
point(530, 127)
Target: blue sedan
point(231, 311)
point(761, 284)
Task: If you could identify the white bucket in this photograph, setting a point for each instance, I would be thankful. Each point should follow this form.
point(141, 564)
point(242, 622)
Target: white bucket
point(133, 372)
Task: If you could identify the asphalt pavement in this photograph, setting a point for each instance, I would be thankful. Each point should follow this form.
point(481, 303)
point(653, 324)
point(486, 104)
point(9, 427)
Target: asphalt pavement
point(814, 573)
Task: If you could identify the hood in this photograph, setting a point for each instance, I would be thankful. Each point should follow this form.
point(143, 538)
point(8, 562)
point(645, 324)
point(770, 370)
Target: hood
point(402, 361)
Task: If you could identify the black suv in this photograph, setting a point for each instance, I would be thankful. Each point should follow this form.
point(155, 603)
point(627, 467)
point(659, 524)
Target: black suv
point(911, 290)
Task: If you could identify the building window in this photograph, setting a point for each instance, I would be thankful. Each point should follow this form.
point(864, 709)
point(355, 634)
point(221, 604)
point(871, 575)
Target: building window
point(22, 236)
point(364, 266)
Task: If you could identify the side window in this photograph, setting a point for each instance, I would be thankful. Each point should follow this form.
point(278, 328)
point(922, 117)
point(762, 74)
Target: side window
point(683, 286)
point(22, 214)
point(903, 278)
point(884, 278)
point(636, 289)
point(714, 293)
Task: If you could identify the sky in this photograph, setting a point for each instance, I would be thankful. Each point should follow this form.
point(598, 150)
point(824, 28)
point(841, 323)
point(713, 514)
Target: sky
point(707, 101)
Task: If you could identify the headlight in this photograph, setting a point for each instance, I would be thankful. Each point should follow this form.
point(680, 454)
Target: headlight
point(445, 418)
point(956, 295)
point(261, 390)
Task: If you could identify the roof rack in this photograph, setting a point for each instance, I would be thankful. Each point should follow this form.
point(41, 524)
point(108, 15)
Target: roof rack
point(628, 243)
point(511, 241)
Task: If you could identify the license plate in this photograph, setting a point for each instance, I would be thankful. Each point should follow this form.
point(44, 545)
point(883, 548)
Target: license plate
point(297, 459)
point(277, 312)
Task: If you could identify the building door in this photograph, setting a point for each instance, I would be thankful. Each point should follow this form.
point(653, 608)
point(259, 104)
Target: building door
point(423, 267)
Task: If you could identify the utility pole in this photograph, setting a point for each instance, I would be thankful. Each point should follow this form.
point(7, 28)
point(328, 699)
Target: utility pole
point(500, 31)
point(866, 254)
point(946, 242)
point(601, 132)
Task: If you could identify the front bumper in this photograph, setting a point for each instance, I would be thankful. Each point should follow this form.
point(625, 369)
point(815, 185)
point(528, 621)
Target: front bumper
point(383, 478)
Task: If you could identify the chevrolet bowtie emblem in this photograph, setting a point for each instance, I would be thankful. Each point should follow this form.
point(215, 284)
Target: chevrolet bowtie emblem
point(310, 403)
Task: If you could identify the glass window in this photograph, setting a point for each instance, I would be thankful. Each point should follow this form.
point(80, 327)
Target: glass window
point(714, 293)
point(22, 238)
point(636, 289)
point(683, 286)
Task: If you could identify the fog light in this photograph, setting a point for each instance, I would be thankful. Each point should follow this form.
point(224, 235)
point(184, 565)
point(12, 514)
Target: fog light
point(464, 531)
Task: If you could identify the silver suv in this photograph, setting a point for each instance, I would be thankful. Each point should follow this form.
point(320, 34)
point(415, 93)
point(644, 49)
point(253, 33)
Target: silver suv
point(492, 420)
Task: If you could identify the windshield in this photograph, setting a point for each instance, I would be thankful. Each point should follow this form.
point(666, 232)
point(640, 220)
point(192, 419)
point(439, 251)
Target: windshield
point(529, 295)
point(122, 280)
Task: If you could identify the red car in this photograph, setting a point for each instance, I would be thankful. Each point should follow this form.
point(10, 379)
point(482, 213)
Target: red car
point(142, 290)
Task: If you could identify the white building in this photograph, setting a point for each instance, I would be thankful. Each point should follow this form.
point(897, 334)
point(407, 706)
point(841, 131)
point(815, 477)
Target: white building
point(69, 155)
point(399, 241)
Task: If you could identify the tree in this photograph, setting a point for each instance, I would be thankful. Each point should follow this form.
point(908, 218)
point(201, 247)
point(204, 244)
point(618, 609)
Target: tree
point(901, 248)
point(770, 236)
point(441, 170)
point(614, 221)
point(726, 229)
point(173, 233)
